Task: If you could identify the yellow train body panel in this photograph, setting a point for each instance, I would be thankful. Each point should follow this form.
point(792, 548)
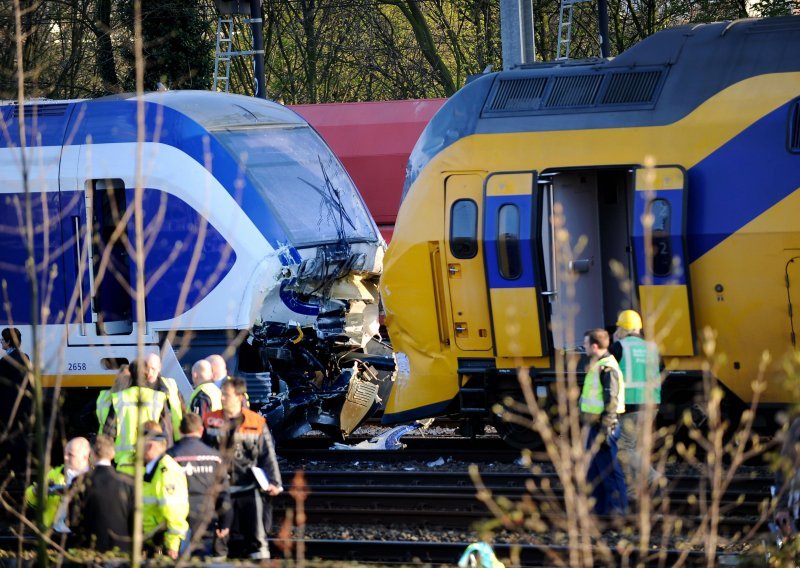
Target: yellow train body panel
point(623, 214)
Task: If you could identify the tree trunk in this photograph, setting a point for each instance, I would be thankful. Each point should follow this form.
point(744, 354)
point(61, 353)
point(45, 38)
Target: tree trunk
point(106, 68)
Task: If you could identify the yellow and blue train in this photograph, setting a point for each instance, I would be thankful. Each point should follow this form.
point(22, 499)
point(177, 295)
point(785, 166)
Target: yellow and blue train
point(541, 201)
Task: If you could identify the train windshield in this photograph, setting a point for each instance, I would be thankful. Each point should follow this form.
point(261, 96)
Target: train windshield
point(303, 182)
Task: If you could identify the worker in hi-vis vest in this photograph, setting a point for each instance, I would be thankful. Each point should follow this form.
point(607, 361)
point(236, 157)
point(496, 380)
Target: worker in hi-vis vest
point(130, 408)
point(602, 400)
point(165, 495)
point(206, 396)
point(641, 366)
point(77, 454)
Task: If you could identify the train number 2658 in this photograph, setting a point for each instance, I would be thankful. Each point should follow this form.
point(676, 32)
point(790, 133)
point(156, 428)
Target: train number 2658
point(76, 366)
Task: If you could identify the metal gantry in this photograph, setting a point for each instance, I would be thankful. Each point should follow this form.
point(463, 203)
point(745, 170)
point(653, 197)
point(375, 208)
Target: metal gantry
point(565, 27)
point(224, 52)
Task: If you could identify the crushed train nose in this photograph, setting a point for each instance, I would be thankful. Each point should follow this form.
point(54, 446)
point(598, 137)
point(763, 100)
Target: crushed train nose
point(361, 397)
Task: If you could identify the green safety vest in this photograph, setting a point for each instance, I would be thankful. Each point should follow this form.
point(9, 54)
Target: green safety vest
point(592, 393)
point(212, 391)
point(127, 406)
point(639, 365)
point(54, 477)
point(165, 501)
point(102, 406)
point(176, 409)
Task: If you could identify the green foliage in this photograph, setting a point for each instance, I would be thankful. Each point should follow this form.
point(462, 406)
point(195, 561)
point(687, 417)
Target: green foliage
point(177, 43)
point(771, 8)
point(316, 50)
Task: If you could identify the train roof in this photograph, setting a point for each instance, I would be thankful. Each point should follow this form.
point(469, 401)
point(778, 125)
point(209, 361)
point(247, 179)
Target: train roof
point(657, 81)
point(211, 110)
point(222, 110)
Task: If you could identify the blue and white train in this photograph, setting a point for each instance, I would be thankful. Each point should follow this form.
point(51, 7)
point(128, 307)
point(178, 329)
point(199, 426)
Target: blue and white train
point(255, 241)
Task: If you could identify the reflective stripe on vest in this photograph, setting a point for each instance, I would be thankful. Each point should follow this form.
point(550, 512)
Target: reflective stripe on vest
point(592, 393)
point(176, 410)
point(640, 368)
point(212, 391)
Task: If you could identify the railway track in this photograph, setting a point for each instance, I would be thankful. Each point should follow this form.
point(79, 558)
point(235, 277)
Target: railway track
point(387, 553)
point(405, 552)
point(420, 448)
point(484, 449)
point(447, 500)
point(432, 503)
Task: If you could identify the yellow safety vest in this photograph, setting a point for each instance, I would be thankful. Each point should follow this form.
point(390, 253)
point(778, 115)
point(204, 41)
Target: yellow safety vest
point(212, 391)
point(127, 406)
point(175, 406)
point(639, 365)
point(102, 407)
point(165, 502)
point(55, 477)
point(592, 393)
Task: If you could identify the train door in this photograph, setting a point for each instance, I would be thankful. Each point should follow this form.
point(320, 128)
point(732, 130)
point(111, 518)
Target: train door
point(99, 271)
point(585, 243)
point(662, 274)
point(464, 256)
point(574, 271)
point(511, 259)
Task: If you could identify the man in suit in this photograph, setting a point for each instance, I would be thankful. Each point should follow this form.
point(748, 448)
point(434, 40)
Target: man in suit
point(101, 513)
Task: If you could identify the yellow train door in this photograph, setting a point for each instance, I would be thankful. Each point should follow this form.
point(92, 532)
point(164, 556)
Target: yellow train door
point(662, 272)
point(464, 257)
point(511, 268)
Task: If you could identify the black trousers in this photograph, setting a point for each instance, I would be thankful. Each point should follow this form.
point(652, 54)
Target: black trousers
point(252, 520)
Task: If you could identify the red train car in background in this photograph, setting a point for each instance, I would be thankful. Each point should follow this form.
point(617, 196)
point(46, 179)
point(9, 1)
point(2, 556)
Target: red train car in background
point(373, 140)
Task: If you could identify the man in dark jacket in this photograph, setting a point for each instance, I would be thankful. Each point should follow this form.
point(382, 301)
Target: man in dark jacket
point(15, 401)
point(245, 442)
point(209, 498)
point(101, 512)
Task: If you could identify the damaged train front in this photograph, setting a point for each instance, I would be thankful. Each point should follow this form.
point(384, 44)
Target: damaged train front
point(315, 358)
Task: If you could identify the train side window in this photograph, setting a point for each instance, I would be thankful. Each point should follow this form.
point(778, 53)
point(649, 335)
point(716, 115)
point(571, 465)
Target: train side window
point(464, 229)
point(508, 250)
point(661, 212)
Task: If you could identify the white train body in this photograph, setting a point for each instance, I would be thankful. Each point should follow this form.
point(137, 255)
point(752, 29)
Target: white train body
point(249, 219)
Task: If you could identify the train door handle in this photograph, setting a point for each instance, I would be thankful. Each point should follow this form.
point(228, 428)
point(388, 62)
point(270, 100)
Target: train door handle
point(453, 269)
point(580, 266)
point(550, 293)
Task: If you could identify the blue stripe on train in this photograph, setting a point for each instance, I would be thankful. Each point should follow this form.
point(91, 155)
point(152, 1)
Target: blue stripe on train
point(172, 252)
point(740, 181)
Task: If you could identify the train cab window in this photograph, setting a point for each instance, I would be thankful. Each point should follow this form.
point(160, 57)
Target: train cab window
point(661, 213)
point(464, 229)
point(508, 249)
